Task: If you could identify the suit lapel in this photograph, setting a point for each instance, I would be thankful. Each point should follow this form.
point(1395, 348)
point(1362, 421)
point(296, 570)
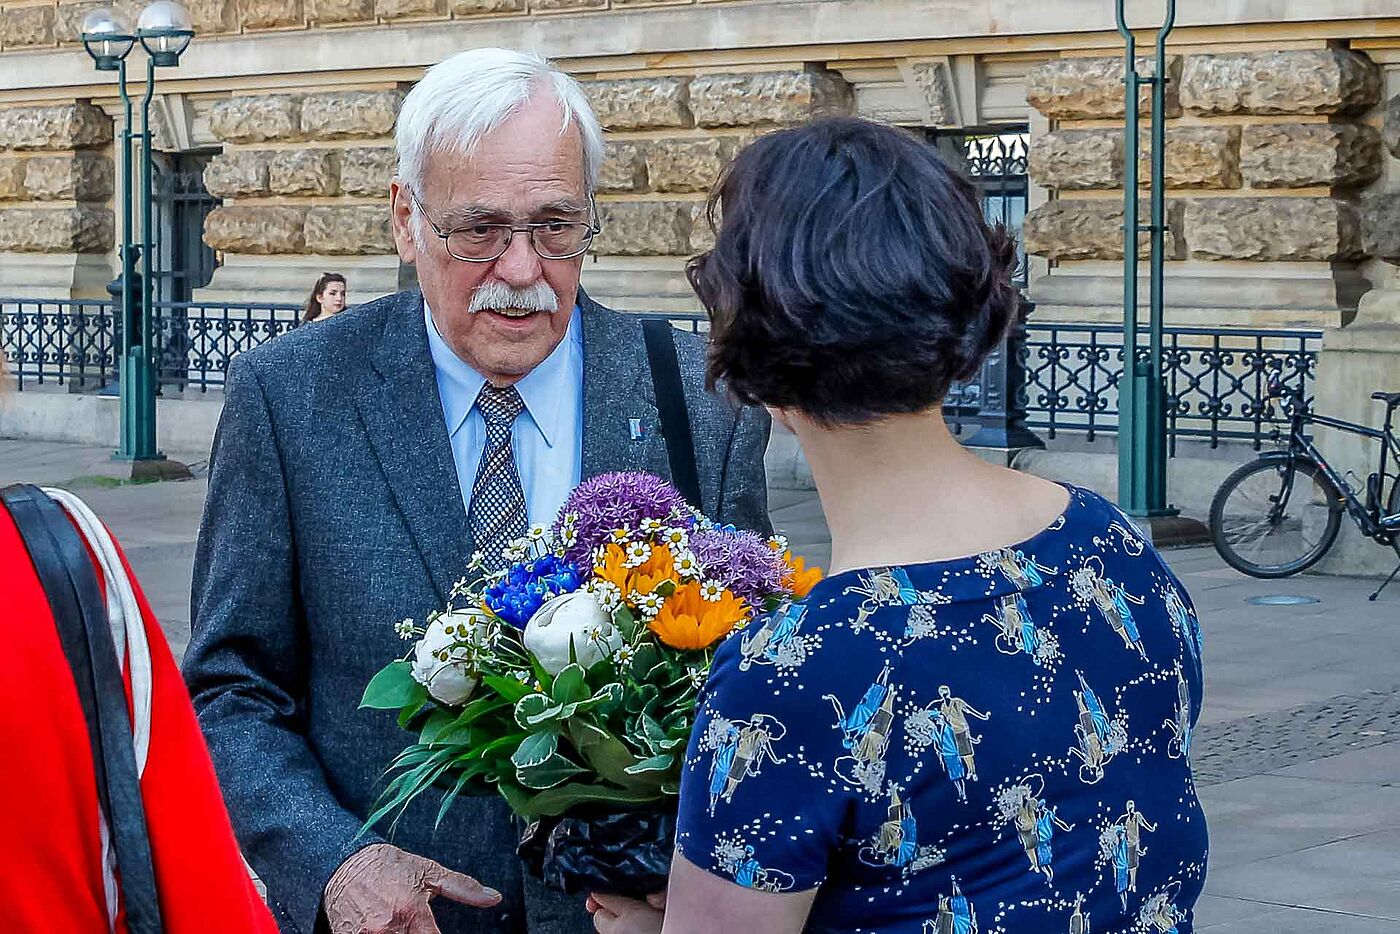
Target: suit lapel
point(617, 395)
point(402, 412)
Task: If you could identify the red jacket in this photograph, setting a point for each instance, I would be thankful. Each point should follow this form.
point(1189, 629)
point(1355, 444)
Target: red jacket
point(50, 851)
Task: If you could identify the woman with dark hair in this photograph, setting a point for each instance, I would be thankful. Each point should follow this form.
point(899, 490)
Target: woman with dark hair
point(327, 297)
point(978, 703)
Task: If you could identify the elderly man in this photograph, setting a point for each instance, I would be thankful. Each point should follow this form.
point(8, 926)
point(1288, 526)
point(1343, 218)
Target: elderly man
point(359, 463)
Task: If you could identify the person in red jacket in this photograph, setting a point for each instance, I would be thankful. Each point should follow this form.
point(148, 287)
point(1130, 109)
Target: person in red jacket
point(53, 873)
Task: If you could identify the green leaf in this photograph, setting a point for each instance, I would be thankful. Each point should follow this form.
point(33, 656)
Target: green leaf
point(570, 685)
point(539, 765)
point(450, 796)
point(509, 688)
point(530, 708)
point(654, 764)
point(556, 801)
point(393, 687)
point(603, 752)
point(438, 721)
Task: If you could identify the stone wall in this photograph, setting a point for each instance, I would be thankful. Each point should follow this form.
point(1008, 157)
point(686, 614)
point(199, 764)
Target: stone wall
point(1266, 153)
point(56, 179)
point(308, 173)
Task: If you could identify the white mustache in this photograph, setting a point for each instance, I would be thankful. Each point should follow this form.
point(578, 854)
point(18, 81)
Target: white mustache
point(494, 295)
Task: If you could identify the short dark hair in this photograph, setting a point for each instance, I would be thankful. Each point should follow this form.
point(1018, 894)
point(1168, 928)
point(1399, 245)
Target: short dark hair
point(853, 274)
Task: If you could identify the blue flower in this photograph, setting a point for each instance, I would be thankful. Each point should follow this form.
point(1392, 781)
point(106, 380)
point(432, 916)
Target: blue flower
point(527, 585)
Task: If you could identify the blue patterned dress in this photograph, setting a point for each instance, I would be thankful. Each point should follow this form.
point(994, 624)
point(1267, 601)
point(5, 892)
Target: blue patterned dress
point(988, 744)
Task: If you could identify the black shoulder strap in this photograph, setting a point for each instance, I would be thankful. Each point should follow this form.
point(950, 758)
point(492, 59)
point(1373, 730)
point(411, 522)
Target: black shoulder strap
point(670, 405)
point(70, 582)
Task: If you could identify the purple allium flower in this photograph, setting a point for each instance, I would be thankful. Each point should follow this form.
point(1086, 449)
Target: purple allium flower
point(612, 501)
point(741, 561)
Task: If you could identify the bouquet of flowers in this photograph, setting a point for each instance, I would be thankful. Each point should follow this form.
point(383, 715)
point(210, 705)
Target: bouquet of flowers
point(567, 681)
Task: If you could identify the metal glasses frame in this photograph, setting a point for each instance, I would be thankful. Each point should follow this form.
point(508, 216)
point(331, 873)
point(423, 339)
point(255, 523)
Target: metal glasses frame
point(594, 228)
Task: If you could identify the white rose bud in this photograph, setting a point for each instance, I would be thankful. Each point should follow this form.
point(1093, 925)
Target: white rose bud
point(571, 618)
point(441, 658)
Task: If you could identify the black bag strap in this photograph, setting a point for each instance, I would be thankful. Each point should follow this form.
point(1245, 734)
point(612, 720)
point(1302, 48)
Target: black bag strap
point(670, 405)
point(70, 582)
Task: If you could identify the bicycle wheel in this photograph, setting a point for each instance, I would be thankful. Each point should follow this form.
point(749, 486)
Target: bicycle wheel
point(1264, 533)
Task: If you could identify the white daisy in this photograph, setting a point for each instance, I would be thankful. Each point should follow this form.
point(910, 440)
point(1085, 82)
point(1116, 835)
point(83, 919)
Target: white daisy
point(711, 590)
point(675, 538)
point(648, 604)
point(624, 655)
point(404, 628)
point(686, 566)
point(638, 554)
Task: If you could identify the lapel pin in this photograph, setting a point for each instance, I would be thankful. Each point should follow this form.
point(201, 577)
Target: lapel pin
point(634, 426)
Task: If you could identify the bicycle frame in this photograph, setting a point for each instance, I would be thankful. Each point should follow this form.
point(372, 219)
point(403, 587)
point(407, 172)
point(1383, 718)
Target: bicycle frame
point(1299, 442)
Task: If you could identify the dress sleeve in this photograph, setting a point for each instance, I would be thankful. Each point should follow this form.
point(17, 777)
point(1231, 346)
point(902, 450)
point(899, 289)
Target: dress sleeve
point(769, 782)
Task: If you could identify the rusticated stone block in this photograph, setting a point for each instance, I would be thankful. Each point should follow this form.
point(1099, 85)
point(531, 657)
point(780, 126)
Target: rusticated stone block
point(256, 119)
point(65, 126)
point(548, 6)
point(238, 174)
point(640, 103)
point(1196, 157)
point(260, 230)
point(213, 16)
point(479, 7)
point(83, 177)
point(350, 114)
point(409, 9)
point(354, 230)
point(12, 178)
point(1077, 159)
point(1273, 229)
point(769, 97)
point(702, 235)
point(1300, 81)
point(686, 164)
point(68, 19)
point(27, 27)
point(303, 172)
point(340, 11)
point(82, 229)
point(1391, 128)
point(644, 228)
point(1077, 88)
point(1071, 230)
point(624, 168)
point(1297, 155)
point(272, 14)
point(1380, 226)
point(367, 170)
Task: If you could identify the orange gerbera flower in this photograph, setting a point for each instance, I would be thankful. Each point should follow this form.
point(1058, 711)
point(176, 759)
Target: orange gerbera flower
point(688, 621)
point(800, 578)
point(614, 570)
point(661, 566)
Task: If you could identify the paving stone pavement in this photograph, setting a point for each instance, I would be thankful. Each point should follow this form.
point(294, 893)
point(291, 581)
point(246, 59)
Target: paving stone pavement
point(1297, 753)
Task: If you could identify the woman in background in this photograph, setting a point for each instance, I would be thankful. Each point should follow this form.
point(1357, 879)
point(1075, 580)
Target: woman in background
point(327, 298)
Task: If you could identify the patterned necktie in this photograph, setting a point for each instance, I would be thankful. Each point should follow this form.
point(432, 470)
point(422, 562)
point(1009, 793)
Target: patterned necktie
point(497, 514)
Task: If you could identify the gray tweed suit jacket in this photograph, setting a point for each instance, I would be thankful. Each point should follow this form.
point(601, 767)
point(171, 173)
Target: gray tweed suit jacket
point(333, 511)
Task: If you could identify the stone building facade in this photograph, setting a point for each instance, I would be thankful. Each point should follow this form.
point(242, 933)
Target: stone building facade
point(1283, 134)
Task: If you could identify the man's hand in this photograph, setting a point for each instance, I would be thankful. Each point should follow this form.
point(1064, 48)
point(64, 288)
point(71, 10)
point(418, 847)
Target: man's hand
point(384, 890)
point(614, 914)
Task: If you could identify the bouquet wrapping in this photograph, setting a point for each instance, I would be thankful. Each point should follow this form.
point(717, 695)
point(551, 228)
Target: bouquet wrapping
point(566, 680)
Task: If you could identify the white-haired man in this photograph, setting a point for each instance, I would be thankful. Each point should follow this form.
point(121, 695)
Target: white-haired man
point(359, 463)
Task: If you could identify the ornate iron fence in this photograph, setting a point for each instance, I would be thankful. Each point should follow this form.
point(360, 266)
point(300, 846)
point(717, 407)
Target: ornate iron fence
point(72, 343)
point(1055, 378)
point(1217, 378)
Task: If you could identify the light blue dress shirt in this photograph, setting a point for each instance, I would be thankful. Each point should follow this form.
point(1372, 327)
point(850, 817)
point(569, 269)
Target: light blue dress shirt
point(547, 439)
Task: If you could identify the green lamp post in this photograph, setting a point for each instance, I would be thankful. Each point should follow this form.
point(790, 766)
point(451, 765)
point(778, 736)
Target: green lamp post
point(164, 31)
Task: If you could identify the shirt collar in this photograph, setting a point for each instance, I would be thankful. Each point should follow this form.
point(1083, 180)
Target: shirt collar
point(540, 389)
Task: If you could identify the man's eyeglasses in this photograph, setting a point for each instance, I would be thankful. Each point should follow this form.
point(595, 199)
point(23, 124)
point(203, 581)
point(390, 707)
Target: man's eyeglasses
point(482, 243)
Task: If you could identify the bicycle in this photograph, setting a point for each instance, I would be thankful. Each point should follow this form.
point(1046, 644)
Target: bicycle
point(1280, 513)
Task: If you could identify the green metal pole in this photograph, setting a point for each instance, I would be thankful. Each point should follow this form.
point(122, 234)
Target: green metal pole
point(1130, 428)
point(1155, 466)
point(144, 427)
point(126, 444)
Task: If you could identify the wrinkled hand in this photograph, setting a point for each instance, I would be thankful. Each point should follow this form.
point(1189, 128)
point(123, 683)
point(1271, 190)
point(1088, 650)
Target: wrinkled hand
point(385, 890)
point(614, 914)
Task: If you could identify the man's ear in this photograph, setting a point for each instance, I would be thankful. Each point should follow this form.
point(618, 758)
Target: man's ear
point(401, 221)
